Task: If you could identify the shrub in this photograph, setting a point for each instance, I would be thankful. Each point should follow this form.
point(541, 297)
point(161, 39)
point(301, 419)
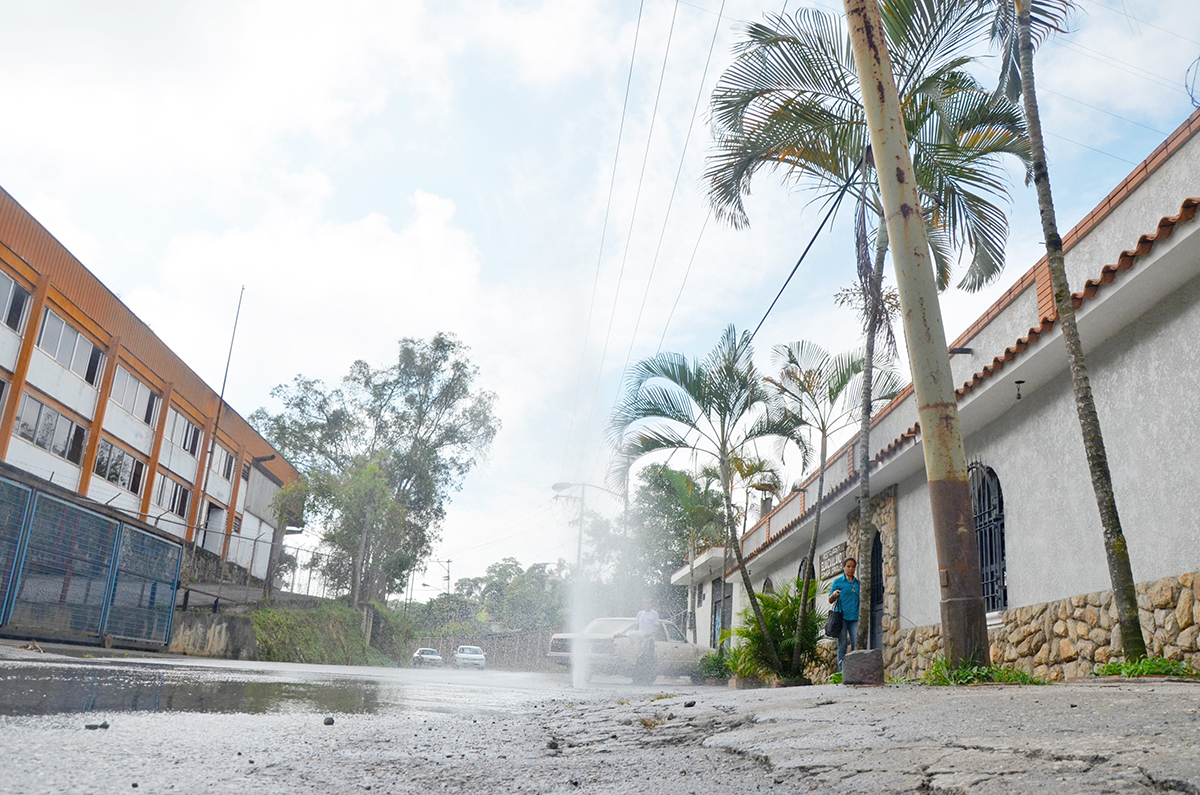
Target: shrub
point(781, 610)
point(940, 673)
point(743, 663)
point(1149, 666)
point(713, 666)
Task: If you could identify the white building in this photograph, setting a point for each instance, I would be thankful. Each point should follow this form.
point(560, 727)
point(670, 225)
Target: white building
point(93, 401)
point(1135, 262)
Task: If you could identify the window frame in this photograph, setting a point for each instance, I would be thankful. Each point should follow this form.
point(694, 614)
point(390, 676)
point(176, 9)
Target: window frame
point(88, 363)
point(45, 431)
point(6, 304)
point(131, 479)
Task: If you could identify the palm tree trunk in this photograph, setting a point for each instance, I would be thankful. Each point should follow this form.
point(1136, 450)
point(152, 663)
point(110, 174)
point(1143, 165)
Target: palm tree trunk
point(735, 542)
point(1119, 570)
point(808, 570)
point(964, 625)
point(866, 535)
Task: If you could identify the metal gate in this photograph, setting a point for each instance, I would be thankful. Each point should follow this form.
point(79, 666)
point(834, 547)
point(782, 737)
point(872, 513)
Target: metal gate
point(73, 569)
point(877, 593)
point(987, 503)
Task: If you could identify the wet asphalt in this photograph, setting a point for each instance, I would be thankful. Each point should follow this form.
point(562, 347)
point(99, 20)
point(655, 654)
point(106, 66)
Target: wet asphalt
point(184, 725)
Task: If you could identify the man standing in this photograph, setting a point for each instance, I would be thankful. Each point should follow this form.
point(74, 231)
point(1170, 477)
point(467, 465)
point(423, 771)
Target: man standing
point(844, 597)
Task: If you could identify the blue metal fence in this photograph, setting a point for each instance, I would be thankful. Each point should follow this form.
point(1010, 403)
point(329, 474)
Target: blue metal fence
point(70, 569)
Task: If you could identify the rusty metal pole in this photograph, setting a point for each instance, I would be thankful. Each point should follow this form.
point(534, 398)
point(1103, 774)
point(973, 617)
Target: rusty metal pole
point(964, 624)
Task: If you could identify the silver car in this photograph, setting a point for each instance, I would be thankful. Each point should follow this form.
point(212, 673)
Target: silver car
point(611, 647)
point(469, 657)
point(427, 658)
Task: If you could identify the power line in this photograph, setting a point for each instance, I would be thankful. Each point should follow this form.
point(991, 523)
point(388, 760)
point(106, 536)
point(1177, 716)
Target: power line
point(633, 216)
point(670, 201)
point(1129, 68)
point(1127, 15)
point(832, 206)
point(603, 230)
point(685, 279)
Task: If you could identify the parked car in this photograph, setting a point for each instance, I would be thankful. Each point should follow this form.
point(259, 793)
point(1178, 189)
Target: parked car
point(469, 657)
point(427, 658)
point(606, 647)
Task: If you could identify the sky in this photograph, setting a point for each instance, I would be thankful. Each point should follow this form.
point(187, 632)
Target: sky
point(516, 173)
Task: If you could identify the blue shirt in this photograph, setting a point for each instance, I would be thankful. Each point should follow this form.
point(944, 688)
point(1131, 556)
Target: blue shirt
point(848, 598)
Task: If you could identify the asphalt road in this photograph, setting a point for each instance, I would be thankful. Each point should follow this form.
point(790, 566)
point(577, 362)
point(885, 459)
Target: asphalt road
point(182, 725)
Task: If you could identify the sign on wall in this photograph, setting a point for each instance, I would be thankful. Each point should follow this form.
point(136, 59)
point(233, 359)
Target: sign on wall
point(830, 563)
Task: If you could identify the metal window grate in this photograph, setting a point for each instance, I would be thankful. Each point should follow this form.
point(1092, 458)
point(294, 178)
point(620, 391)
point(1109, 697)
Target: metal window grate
point(987, 503)
point(64, 575)
point(144, 594)
point(14, 503)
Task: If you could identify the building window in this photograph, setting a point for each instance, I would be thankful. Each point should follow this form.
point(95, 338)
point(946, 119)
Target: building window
point(170, 495)
point(246, 471)
point(119, 467)
point(50, 430)
point(223, 463)
point(987, 503)
point(72, 350)
point(237, 525)
point(13, 300)
point(134, 396)
point(183, 433)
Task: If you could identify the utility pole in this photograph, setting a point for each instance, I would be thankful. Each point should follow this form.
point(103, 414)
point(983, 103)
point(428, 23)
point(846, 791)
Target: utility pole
point(964, 621)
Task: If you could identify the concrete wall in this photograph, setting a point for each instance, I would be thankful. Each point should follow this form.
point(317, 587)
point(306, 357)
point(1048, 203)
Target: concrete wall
point(213, 635)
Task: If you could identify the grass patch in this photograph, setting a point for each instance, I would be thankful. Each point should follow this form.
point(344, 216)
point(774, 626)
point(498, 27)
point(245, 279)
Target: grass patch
point(835, 678)
point(650, 723)
point(327, 634)
point(941, 674)
point(661, 696)
point(1149, 666)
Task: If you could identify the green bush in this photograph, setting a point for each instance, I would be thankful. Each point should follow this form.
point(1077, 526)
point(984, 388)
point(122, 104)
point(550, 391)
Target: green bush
point(781, 610)
point(1149, 666)
point(328, 634)
point(713, 666)
point(743, 663)
point(940, 673)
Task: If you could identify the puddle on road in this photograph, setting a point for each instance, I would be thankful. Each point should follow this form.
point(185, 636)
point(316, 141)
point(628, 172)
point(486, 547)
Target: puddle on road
point(50, 688)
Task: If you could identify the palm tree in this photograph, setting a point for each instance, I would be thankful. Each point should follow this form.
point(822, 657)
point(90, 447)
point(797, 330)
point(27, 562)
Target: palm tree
point(827, 391)
point(717, 407)
point(1017, 27)
point(703, 518)
point(791, 102)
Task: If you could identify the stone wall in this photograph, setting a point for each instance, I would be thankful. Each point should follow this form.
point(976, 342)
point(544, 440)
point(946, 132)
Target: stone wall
point(1067, 638)
point(884, 518)
point(213, 635)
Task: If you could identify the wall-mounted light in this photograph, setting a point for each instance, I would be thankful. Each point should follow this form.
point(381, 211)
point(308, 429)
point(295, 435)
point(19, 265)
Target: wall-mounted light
point(1018, 383)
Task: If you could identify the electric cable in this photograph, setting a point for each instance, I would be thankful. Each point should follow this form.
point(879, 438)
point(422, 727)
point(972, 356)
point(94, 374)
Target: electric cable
point(833, 205)
point(603, 230)
point(685, 280)
point(632, 218)
point(671, 200)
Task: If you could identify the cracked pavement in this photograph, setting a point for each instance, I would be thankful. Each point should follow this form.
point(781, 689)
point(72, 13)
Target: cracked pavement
point(506, 732)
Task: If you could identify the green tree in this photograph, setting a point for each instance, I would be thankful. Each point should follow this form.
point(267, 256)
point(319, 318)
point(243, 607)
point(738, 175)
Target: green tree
point(826, 391)
point(791, 102)
point(701, 517)
point(717, 407)
point(382, 454)
point(1017, 27)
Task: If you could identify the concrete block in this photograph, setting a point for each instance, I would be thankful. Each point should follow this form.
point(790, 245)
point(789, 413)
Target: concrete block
point(863, 667)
